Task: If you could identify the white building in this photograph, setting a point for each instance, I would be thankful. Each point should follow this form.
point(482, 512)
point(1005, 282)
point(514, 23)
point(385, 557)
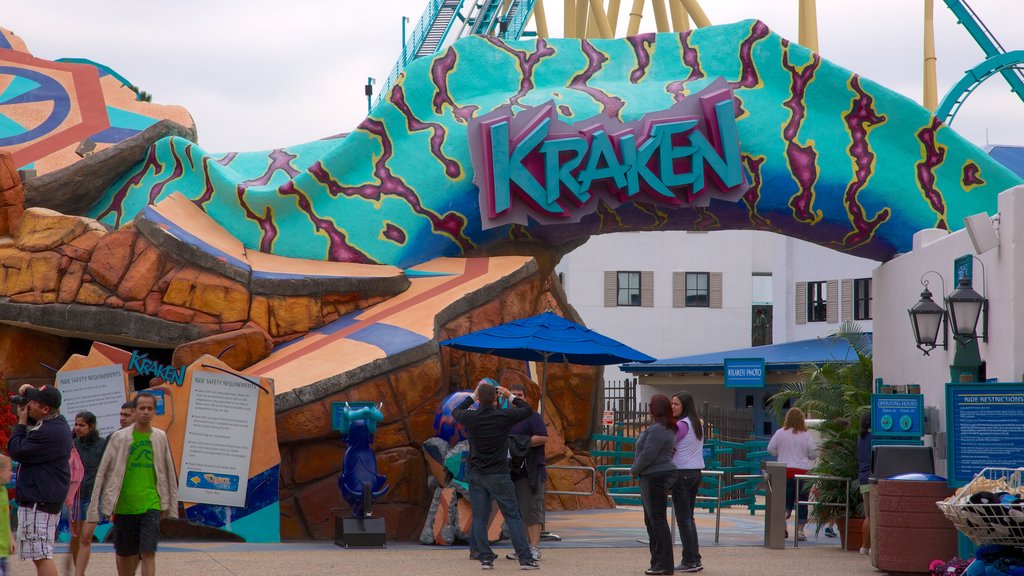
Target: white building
point(996, 274)
point(681, 293)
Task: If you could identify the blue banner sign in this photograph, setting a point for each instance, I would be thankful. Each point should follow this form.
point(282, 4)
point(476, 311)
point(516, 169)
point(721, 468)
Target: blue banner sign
point(161, 404)
point(897, 415)
point(744, 372)
point(984, 425)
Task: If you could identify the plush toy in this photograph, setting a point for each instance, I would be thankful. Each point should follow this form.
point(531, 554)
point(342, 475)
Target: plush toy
point(954, 567)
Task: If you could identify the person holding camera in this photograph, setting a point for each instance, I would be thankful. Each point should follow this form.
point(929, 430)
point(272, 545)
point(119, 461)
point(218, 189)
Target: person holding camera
point(487, 428)
point(41, 444)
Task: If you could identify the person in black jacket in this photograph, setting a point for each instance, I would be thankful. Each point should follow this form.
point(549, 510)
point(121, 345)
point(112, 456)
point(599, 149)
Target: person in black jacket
point(530, 479)
point(44, 476)
point(487, 428)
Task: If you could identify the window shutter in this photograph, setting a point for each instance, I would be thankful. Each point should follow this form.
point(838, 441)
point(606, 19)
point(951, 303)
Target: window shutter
point(679, 289)
point(611, 287)
point(801, 302)
point(715, 290)
point(847, 294)
point(832, 305)
point(647, 289)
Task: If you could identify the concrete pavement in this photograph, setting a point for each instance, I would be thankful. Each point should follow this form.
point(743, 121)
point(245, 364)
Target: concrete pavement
point(594, 542)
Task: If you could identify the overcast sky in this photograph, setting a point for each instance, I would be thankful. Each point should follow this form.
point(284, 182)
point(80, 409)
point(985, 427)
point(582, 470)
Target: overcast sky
point(262, 74)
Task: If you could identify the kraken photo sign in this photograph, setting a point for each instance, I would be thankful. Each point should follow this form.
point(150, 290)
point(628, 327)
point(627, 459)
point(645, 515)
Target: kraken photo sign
point(531, 165)
point(218, 440)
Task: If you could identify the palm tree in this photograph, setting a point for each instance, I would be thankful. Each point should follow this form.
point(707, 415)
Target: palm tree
point(837, 392)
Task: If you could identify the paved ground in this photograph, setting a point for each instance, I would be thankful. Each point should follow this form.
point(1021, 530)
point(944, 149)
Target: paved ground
point(595, 542)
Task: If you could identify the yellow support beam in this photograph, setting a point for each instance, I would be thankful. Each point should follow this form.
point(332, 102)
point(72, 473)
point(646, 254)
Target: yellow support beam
point(931, 92)
point(582, 11)
point(600, 18)
point(660, 15)
point(696, 13)
point(634, 18)
point(569, 19)
point(540, 18)
point(808, 25)
point(680, 19)
point(613, 15)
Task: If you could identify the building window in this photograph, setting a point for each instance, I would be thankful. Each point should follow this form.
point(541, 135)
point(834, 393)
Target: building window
point(862, 299)
point(817, 301)
point(697, 289)
point(628, 289)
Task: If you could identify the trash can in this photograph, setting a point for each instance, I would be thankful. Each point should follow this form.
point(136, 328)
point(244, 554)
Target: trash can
point(908, 530)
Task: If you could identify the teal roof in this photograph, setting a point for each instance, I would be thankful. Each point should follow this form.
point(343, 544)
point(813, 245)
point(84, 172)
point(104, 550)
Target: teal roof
point(777, 357)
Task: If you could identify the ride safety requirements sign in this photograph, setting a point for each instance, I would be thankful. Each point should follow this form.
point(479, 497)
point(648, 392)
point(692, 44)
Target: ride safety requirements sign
point(100, 390)
point(218, 440)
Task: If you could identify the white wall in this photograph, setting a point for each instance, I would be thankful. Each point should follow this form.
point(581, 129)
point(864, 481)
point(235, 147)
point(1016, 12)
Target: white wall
point(898, 287)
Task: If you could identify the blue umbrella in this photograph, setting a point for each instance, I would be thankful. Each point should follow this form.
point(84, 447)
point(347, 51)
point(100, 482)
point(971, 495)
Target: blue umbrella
point(547, 337)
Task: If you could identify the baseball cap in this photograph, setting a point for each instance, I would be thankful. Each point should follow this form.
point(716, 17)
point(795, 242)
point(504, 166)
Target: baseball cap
point(47, 395)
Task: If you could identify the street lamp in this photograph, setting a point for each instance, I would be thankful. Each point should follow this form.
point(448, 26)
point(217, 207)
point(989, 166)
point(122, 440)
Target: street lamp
point(927, 318)
point(965, 309)
point(369, 93)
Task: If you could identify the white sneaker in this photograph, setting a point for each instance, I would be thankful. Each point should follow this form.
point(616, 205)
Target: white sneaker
point(865, 551)
point(535, 552)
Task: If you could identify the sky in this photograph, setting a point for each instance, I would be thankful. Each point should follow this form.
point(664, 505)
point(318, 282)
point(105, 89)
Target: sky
point(263, 74)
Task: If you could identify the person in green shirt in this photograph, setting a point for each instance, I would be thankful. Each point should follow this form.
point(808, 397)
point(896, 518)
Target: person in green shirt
point(137, 484)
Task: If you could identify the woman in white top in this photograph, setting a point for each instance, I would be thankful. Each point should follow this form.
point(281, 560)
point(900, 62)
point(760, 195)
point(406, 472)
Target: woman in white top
point(689, 461)
point(794, 446)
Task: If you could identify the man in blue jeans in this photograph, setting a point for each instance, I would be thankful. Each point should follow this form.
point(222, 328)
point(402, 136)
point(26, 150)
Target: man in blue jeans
point(487, 428)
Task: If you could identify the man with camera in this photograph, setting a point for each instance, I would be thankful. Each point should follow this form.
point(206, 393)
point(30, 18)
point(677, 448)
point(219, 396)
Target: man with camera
point(41, 444)
point(487, 428)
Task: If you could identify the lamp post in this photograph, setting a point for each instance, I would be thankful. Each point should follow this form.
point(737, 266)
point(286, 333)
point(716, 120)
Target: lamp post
point(369, 92)
point(405, 19)
point(964, 307)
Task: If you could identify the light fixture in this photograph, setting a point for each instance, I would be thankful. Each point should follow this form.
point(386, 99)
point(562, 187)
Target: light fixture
point(927, 318)
point(966, 307)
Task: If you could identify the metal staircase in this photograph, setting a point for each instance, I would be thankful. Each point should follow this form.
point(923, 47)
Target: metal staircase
point(437, 28)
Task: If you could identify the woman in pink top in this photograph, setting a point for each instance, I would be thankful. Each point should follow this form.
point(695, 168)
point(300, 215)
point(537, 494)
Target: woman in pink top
point(689, 461)
point(794, 446)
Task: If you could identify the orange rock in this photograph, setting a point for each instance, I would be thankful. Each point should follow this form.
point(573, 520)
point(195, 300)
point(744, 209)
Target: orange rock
point(45, 229)
point(111, 257)
point(135, 306)
point(23, 353)
point(238, 349)
point(293, 314)
point(292, 527)
point(259, 312)
point(319, 502)
point(307, 422)
point(27, 298)
point(142, 273)
point(10, 216)
point(114, 302)
point(175, 313)
point(407, 475)
point(45, 271)
point(81, 248)
point(393, 435)
point(315, 460)
point(8, 172)
point(92, 294)
point(71, 282)
point(153, 302)
point(420, 423)
point(180, 288)
point(415, 384)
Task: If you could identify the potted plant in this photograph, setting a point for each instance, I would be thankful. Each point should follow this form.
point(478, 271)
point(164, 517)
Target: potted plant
point(837, 392)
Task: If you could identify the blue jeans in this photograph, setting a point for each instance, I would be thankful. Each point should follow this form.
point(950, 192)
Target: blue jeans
point(791, 498)
point(483, 490)
point(684, 501)
point(654, 491)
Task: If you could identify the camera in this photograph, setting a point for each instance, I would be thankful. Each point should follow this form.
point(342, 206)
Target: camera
point(19, 400)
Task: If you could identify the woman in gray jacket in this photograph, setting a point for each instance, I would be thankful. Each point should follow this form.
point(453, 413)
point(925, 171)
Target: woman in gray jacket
point(653, 465)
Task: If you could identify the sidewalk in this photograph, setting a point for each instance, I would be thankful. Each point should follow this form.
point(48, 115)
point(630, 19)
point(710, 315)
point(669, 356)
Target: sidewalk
point(594, 542)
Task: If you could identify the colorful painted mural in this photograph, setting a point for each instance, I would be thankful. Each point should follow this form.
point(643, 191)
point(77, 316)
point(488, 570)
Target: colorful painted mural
point(54, 113)
point(829, 156)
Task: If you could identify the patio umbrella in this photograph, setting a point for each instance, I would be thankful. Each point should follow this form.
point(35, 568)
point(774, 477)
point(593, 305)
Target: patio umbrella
point(547, 337)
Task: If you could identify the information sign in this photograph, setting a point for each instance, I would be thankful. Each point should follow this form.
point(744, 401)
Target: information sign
point(100, 390)
point(218, 439)
point(984, 428)
point(897, 415)
point(744, 372)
